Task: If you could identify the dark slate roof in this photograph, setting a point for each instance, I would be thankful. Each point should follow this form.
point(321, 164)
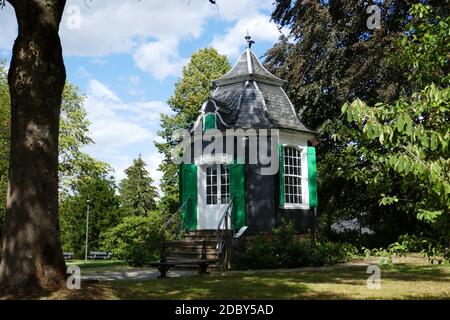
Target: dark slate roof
point(252, 110)
point(248, 67)
point(280, 109)
point(249, 96)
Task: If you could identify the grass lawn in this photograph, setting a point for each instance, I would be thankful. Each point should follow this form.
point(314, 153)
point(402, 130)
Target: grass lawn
point(409, 278)
point(98, 265)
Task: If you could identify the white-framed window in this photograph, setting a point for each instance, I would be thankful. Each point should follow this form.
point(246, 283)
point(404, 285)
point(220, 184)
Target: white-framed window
point(217, 184)
point(295, 176)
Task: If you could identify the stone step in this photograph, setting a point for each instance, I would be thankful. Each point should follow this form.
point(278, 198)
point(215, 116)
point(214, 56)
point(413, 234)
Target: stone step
point(191, 256)
point(191, 267)
point(191, 247)
point(202, 232)
point(198, 242)
point(201, 236)
point(195, 249)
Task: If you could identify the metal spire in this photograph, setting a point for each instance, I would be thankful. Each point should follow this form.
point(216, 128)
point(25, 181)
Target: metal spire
point(249, 40)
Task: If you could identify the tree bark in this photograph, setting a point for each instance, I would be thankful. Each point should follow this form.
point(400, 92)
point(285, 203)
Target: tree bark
point(32, 259)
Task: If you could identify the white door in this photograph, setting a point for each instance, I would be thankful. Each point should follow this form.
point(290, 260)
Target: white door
point(215, 194)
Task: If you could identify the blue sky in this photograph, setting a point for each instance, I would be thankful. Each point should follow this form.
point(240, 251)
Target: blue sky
point(126, 56)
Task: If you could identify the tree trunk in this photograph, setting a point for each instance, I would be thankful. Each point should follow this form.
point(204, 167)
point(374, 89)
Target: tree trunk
point(32, 259)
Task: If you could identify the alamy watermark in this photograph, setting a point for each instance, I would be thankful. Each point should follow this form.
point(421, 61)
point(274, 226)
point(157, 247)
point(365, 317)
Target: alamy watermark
point(250, 146)
point(74, 280)
point(374, 280)
point(74, 17)
point(374, 20)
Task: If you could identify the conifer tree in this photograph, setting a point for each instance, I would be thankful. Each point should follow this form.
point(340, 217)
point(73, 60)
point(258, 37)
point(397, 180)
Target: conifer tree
point(137, 192)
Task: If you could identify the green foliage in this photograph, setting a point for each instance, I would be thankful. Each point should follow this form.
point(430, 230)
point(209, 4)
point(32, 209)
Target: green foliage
point(190, 92)
point(284, 249)
point(136, 239)
point(426, 46)
point(73, 135)
point(137, 193)
point(412, 133)
point(423, 244)
point(330, 57)
point(104, 212)
point(4, 138)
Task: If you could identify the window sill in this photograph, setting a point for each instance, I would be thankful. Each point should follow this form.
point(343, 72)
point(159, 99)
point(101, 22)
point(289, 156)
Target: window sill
point(296, 206)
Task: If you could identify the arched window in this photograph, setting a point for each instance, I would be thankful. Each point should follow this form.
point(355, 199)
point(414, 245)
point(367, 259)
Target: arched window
point(209, 121)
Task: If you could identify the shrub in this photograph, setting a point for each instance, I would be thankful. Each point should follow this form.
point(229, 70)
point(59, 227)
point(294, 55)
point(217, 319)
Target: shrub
point(282, 248)
point(431, 248)
point(136, 239)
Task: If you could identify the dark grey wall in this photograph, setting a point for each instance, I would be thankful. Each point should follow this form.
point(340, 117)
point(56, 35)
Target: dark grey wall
point(260, 202)
point(303, 219)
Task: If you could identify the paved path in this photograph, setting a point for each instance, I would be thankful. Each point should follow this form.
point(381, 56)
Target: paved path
point(133, 274)
point(125, 273)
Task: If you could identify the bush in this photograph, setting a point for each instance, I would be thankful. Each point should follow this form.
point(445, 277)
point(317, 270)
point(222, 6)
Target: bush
point(136, 239)
point(431, 248)
point(282, 248)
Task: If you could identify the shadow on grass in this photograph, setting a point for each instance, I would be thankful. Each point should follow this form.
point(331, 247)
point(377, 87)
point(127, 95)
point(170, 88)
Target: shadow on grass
point(343, 283)
point(401, 281)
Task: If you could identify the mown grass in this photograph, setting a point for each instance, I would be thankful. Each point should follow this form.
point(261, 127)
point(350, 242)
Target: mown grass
point(405, 280)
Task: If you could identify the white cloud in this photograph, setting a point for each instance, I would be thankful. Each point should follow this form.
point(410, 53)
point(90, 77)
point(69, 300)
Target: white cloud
point(115, 124)
point(9, 27)
point(117, 26)
point(260, 28)
point(151, 30)
point(99, 90)
point(160, 58)
point(231, 10)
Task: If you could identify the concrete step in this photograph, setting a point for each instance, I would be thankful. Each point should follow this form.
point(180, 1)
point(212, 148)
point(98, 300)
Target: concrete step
point(191, 247)
point(200, 238)
point(198, 242)
point(194, 250)
point(202, 232)
point(192, 256)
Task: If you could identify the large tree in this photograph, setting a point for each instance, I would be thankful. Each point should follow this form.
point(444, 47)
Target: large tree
point(73, 135)
point(329, 58)
point(191, 91)
point(36, 81)
point(137, 192)
point(414, 131)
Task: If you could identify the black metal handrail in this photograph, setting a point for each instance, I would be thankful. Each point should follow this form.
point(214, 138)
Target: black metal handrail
point(172, 217)
point(222, 234)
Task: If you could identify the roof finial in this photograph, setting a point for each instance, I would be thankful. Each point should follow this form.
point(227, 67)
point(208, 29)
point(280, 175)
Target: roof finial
point(249, 40)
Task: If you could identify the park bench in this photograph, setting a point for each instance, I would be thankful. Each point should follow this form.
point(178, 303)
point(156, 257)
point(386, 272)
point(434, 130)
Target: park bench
point(68, 256)
point(165, 263)
point(98, 255)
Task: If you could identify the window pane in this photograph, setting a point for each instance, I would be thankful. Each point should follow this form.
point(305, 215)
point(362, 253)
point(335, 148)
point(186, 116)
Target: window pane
point(293, 175)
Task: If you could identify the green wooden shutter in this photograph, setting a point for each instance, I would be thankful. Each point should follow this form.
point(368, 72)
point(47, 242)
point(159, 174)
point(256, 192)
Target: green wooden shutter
point(312, 177)
point(281, 173)
point(237, 193)
point(209, 122)
point(188, 190)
